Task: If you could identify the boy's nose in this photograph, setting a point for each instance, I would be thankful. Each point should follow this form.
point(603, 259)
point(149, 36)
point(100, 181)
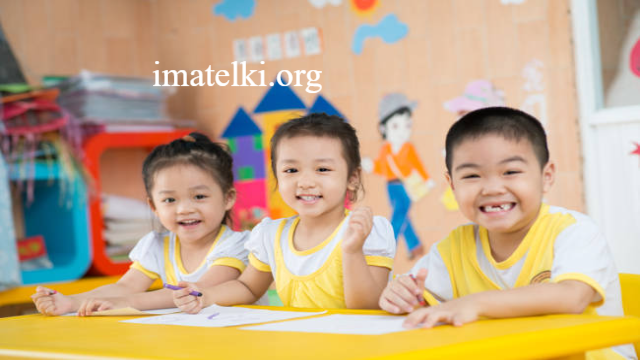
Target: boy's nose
point(493, 186)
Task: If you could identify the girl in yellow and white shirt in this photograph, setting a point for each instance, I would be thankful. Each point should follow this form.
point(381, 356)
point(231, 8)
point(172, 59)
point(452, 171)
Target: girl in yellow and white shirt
point(325, 257)
point(313, 278)
point(158, 255)
point(189, 185)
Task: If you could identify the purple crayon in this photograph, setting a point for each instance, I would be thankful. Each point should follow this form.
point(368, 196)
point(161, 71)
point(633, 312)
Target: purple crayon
point(173, 287)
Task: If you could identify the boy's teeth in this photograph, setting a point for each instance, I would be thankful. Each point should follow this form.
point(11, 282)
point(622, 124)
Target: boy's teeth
point(308, 198)
point(189, 222)
point(491, 208)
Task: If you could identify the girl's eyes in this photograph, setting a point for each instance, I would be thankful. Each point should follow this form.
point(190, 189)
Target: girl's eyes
point(172, 200)
point(293, 170)
point(512, 172)
point(471, 176)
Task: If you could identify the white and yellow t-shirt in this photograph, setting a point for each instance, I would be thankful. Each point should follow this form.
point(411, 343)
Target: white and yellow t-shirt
point(157, 255)
point(561, 245)
point(313, 278)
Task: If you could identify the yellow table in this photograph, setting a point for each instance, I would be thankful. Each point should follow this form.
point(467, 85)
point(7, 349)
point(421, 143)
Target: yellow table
point(22, 295)
point(557, 336)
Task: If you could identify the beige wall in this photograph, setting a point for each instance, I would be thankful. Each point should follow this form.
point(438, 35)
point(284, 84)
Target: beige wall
point(449, 43)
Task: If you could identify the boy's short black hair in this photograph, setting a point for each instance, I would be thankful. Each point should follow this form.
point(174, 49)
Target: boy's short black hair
point(512, 124)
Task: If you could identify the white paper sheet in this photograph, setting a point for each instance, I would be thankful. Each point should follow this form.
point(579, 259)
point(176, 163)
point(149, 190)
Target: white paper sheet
point(220, 316)
point(340, 324)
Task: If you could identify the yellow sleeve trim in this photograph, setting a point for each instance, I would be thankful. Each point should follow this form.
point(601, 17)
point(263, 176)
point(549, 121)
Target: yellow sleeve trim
point(587, 280)
point(230, 262)
point(258, 264)
point(136, 265)
point(381, 261)
point(431, 300)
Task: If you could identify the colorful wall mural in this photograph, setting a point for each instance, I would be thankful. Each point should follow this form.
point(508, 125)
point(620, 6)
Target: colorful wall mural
point(427, 53)
point(399, 164)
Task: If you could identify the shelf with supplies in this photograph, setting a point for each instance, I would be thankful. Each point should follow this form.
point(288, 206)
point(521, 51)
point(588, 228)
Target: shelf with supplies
point(58, 216)
point(95, 148)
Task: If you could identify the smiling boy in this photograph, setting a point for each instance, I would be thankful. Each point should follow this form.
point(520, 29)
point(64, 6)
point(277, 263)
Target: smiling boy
point(519, 256)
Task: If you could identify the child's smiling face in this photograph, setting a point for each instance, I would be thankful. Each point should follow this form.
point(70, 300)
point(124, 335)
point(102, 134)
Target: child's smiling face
point(313, 175)
point(189, 202)
point(499, 184)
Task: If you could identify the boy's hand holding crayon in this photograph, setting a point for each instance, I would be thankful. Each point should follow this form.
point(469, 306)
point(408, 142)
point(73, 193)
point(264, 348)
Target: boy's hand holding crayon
point(404, 293)
point(358, 229)
point(456, 312)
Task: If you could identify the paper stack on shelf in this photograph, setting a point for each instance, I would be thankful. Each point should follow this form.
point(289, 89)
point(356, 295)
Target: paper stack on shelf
point(117, 103)
point(126, 221)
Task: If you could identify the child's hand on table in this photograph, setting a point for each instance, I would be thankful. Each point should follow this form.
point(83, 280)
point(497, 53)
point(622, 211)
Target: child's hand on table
point(456, 312)
point(89, 306)
point(185, 301)
point(52, 303)
point(404, 293)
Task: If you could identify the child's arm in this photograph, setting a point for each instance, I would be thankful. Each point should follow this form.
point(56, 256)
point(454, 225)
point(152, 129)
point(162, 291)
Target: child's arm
point(159, 299)
point(246, 289)
point(570, 296)
point(363, 283)
point(49, 302)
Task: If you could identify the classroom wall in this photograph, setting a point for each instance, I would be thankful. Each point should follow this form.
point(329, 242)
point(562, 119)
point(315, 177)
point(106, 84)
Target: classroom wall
point(522, 46)
point(62, 37)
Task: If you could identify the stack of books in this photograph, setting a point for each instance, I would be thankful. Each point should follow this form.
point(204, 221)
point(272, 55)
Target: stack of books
point(117, 103)
point(126, 221)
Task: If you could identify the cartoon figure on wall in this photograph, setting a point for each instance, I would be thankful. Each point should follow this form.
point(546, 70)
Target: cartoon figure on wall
point(398, 162)
point(477, 95)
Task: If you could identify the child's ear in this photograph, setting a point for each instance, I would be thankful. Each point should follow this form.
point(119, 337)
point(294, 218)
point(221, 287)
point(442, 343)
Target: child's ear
point(548, 176)
point(449, 181)
point(354, 180)
point(230, 199)
point(151, 205)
